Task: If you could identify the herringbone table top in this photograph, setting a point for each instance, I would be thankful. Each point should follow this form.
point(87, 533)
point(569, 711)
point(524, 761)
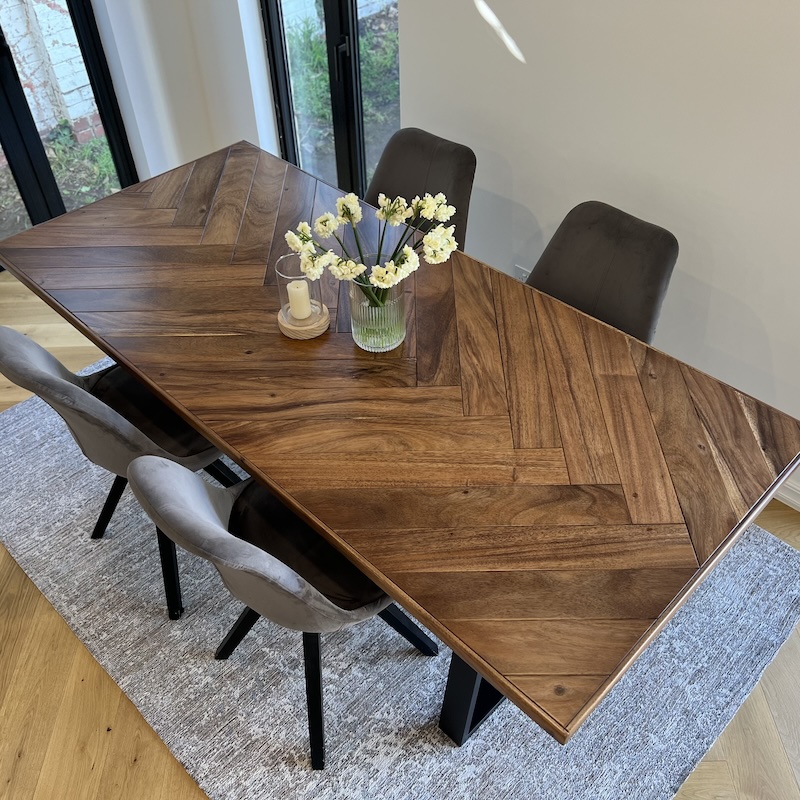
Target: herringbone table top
point(536, 487)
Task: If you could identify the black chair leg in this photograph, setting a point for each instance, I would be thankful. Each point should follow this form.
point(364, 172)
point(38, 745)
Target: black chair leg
point(117, 488)
point(240, 629)
point(169, 569)
point(409, 630)
point(221, 472)
point(316, 726)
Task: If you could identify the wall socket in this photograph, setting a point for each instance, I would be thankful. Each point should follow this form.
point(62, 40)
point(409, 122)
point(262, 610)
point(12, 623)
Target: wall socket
point(521, 273)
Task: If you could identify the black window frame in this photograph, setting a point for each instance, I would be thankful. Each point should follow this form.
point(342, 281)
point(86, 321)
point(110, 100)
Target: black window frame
point(279, 78)
point(91, 46)
point(22, 146)
point(341, 37)
point(20, 138)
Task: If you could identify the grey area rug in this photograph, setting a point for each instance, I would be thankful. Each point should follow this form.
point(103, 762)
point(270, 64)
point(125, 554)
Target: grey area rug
point(239, 726)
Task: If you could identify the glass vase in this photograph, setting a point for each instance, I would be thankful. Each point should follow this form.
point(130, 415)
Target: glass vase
point(378, 328)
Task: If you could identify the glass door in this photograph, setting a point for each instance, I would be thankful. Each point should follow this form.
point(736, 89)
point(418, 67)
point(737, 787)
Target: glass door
point(310, 115)
point(379, 57)
point(56, 150)
point(13, 217)
point(335, 70)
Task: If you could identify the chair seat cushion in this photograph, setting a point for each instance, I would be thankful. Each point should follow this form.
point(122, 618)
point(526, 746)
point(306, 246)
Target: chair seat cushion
point(130, 398)
point(260, 518)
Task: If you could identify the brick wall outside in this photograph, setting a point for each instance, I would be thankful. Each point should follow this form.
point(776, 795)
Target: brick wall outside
point(50, 66)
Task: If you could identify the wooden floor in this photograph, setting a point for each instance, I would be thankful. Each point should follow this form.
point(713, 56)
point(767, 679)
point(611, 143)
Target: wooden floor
point(67, 731)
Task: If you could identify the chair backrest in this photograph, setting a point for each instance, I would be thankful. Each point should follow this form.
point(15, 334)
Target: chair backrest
point(105, 437)
point(610, 265)
point(194, 514)
point(415, 161)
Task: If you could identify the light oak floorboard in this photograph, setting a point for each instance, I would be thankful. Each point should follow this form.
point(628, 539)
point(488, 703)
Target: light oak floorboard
point(761, 746)
point(758, 749)
point(66, 729)
point(21, 310)
point(782, 691)
point(711, 780)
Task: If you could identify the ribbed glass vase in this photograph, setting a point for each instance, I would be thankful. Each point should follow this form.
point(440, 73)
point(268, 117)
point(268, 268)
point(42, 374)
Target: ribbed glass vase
point(378, 328)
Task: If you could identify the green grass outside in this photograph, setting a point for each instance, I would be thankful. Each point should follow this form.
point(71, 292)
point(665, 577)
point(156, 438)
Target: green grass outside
point(84, 173)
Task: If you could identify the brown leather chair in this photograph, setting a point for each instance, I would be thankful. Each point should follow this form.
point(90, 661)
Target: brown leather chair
point(415, 161)
point(610, 265)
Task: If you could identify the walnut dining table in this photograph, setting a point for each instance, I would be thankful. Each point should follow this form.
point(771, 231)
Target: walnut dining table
point(540, 490)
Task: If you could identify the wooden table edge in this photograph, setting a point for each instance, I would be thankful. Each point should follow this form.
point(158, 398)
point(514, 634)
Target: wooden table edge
point(658, 626)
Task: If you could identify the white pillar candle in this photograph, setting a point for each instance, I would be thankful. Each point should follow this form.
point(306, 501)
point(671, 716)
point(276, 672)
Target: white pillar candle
point(299, 301)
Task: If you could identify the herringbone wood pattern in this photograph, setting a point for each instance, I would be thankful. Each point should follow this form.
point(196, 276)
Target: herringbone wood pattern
point(538, 488)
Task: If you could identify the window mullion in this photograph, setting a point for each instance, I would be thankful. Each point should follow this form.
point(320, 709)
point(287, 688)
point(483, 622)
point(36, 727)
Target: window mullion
point(22, 146)
point(341, 25)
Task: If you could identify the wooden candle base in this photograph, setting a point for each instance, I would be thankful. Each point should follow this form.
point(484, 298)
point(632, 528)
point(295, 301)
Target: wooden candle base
point(305, 331)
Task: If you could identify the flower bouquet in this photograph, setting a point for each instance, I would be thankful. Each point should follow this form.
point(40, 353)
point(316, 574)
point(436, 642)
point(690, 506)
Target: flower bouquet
point(374, 279)
point(375, 272)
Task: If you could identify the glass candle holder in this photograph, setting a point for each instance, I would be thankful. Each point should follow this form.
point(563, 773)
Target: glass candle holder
point(302, 314)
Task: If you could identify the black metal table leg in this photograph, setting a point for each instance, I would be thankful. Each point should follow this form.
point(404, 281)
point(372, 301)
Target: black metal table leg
point(409, 630)
point(222, 473)
point(468, 701)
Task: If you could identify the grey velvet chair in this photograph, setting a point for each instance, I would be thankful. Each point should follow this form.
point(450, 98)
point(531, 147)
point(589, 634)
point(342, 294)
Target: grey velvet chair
point(414, 162)
point(114, 418)
point(272, 561)
point(610, 265)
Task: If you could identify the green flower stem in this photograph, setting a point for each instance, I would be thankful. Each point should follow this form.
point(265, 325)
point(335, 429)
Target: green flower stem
point(358, 242)
point(404, 241)
point(341, 244)
point(380, 242)
point(371, 293)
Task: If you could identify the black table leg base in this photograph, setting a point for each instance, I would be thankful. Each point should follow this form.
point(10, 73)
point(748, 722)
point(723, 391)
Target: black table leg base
point(409, 630)
point(469, 700)
point(222, 473)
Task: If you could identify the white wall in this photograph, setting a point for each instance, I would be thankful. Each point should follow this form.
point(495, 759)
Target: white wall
point(190, 75)
point(685, 113)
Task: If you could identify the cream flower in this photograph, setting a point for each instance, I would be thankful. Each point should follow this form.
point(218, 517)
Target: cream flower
point(326, 225)
point(407, 262)
point(444, 212)
point(293, 240)
point(304, 229)
point(426, 207)
point(433, 207)
point(349, 209)
point(326, 260)
point(395, 212)
point(386, 276)
point(346, 269)
point(438, 244)
point(310, 266)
